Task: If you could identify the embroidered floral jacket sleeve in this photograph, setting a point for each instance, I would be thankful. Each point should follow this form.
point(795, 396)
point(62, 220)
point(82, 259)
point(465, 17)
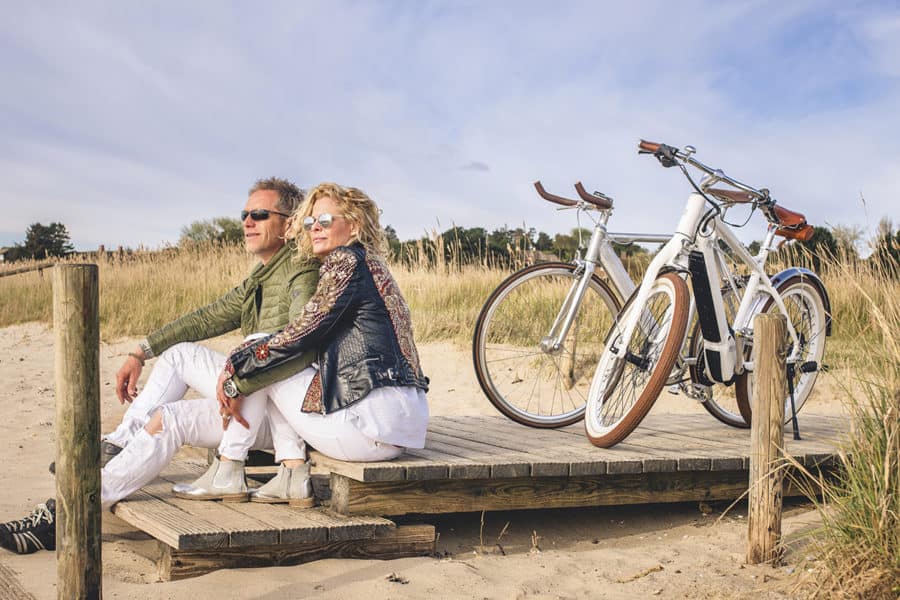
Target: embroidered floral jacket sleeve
point(333, 297)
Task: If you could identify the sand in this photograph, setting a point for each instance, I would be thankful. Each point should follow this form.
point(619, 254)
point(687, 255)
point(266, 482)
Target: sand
point(665, 551)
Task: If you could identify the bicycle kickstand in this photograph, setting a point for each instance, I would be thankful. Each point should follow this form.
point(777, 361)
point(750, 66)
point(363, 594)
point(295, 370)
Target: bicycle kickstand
point(795, 423)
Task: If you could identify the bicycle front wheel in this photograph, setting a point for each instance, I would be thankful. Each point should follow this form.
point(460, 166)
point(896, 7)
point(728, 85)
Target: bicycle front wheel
point(529, 384)
point(626, 386)
point(806, 311)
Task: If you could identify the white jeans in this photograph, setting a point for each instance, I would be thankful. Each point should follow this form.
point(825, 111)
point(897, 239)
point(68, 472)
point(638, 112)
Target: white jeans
point(189, 365)
point(276, 422)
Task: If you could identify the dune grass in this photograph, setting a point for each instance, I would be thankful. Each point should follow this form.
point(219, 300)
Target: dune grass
point(857, 548)
point(858, 545)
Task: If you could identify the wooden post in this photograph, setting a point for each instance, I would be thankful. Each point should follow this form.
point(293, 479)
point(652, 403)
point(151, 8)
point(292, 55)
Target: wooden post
point(767, 438)
point(77, 327)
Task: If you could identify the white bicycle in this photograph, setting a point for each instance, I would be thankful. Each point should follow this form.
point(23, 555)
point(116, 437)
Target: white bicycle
point(644, 346)
point(542, 331)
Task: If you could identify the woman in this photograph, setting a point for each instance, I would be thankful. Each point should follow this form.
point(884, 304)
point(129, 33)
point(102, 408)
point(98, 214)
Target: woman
point(364, 399)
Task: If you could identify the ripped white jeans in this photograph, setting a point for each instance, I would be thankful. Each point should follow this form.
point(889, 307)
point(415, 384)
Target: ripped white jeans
point(198, 423)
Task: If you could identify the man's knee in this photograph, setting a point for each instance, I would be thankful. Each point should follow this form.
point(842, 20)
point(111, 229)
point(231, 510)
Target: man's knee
point(155, 424)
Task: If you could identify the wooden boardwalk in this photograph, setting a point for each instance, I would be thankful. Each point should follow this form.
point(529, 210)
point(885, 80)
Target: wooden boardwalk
point(468, 464)
point(198, 537)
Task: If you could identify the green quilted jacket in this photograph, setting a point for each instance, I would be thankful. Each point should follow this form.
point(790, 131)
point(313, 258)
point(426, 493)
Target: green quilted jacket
point(272, 296)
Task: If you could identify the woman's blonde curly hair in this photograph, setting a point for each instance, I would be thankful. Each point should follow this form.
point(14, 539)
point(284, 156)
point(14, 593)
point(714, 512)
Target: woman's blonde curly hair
point(355, 206)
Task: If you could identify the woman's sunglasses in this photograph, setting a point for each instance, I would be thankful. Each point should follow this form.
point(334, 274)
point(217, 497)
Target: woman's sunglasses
point(260, 214)
point(325, 221)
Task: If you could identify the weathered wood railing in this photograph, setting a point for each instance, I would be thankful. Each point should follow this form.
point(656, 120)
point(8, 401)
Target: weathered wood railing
point(767, 438)
point(77, 330)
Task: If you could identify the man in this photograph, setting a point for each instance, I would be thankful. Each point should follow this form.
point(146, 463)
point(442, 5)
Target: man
point(265, 302)
point(274, 293)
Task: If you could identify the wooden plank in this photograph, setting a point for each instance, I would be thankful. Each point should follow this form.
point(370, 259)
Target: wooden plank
point(500, 465)
point(542, 463)
point(242, 529)
point(291, 526)
point(457, 467)
point(575, 450)
point(399, 542)
point(551, 459)
point(348, 527)
point(487, 446)
point(168, 524)
point(624, 458)
point(373, 471)
point(458, 495)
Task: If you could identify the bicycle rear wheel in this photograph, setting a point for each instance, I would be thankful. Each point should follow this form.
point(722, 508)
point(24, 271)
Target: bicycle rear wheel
point(721, 400)
point(624, 388)
point(528, 384)
point(806, 312)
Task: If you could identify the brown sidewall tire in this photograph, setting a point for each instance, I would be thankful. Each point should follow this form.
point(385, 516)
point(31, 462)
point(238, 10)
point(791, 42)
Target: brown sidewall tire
point(661, 370)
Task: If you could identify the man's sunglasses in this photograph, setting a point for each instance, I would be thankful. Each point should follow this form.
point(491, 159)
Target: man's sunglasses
point(325, 220)
point(260, 214)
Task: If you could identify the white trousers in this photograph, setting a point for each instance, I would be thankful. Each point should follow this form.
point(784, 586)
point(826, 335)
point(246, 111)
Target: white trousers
point(275, 421)
point(189, 365)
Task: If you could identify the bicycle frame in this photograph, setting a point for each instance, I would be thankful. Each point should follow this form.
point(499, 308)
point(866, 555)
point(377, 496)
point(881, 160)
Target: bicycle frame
point(600, 252)
point(690, 241)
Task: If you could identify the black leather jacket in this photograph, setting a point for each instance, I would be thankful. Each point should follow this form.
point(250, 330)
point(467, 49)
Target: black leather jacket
point(360, 324)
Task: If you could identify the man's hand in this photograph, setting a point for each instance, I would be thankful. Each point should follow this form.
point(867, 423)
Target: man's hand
point(128, 375)
point(229, 407)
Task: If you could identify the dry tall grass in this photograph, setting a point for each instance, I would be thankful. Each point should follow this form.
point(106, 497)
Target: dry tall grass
point(139, 291)
point(144, 290)
point(858, 545)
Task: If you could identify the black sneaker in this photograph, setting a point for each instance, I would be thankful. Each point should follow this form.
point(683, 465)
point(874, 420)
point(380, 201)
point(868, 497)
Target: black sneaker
point(35, 532)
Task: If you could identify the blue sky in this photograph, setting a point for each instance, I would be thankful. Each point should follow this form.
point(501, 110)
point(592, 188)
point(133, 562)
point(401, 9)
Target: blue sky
point(127, 121)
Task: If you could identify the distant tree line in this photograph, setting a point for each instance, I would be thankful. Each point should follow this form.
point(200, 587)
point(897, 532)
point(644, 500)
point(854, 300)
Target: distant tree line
point(503, 246)
point(223, 230)
point(41, 242)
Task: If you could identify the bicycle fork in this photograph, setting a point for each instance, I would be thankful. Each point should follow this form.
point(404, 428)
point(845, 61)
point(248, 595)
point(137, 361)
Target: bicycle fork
point(599, 250)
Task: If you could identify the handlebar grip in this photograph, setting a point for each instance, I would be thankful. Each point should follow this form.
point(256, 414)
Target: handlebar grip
point(552, 197)
point(650, 147)
point(601, 202)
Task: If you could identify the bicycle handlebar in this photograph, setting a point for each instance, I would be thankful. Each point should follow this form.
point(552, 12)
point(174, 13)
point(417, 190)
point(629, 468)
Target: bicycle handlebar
point(668, 154)
point(553, 197)
point(646, 147)
point(788, 221)
point(601, 201)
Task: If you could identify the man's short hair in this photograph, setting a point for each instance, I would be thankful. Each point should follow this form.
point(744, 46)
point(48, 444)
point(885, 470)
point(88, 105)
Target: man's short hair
point(289, 195)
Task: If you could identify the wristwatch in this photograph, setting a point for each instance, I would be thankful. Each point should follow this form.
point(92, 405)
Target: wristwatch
point(230, 388)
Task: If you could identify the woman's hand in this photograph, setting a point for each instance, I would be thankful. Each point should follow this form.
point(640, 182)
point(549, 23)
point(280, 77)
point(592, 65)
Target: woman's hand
point(229, 407)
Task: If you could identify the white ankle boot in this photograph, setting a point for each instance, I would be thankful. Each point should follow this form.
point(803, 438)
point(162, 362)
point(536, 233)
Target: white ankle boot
point(224, 480)
point(291, 486)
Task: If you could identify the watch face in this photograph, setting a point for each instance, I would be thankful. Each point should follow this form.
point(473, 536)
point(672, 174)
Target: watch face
point(230, 388)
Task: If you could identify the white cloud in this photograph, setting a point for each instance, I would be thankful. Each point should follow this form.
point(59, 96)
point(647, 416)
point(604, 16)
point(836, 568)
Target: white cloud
point(158, 116)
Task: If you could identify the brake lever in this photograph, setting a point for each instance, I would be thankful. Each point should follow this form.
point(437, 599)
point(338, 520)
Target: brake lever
point(666, 156)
